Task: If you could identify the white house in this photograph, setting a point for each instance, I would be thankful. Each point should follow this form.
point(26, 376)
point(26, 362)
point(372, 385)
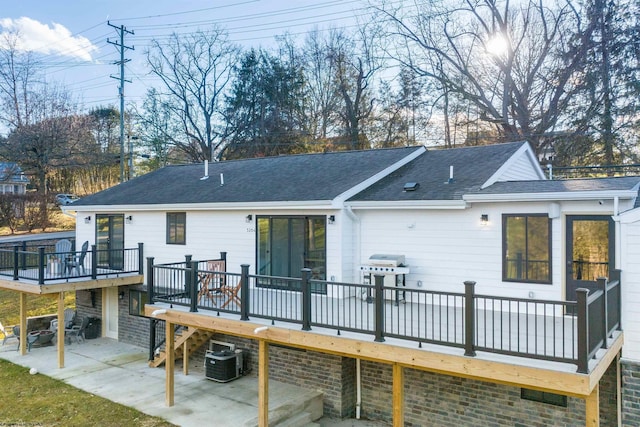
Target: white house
point(12, 180)
point(483, 214)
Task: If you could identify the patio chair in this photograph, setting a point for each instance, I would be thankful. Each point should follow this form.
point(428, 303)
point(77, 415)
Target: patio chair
point(69, 317)
point(211, 281)
point(8, 334)
point(77, 262)
point(77, 331)
point(57, 261)
point(231, 294)
point(30, 338)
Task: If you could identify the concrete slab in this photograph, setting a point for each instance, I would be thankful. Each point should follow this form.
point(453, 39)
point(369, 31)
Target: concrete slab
point(119, 372)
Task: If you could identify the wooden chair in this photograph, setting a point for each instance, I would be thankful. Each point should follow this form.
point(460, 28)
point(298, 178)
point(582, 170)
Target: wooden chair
point(231, 294)
point(211, 281)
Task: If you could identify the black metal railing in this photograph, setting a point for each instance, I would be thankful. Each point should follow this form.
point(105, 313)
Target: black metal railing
point(46, 265)
point(538, 329)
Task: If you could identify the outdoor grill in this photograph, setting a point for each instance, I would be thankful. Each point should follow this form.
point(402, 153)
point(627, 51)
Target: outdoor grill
point(385, 264)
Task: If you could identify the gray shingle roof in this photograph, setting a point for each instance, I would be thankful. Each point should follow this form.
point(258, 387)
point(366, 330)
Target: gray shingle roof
point(563, 186)
point(472, 167)
point(307, 177)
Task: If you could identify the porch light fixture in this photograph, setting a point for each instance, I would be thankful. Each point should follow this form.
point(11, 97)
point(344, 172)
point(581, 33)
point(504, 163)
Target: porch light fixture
point(484, 219)
point(129, 219)
point(87, 219)
point(248, 218)
point(331, 219)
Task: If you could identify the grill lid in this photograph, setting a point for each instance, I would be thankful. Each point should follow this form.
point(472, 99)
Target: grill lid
point(386, 260)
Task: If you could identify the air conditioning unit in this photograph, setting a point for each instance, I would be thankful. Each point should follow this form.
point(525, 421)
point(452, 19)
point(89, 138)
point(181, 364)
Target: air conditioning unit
point(223, 366)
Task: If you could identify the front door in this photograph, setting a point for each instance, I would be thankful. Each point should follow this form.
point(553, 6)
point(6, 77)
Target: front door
point(110, 241)
point(590, 251)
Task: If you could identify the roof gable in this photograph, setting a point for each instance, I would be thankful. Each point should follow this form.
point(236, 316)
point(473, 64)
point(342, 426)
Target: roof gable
point(522, 165)
point(471, 168)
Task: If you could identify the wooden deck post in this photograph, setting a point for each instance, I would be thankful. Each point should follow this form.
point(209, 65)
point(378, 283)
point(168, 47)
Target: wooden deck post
point(23, 323)
point(398, 395)
point(169, 363)
point(592, 407)
point(60, 332)
point(263, 384)
point(185, 356)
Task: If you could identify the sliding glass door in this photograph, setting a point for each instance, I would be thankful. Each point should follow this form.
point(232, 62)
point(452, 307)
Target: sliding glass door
point(286, 245)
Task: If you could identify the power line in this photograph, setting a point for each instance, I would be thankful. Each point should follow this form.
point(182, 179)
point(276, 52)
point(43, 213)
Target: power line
point(122, 31)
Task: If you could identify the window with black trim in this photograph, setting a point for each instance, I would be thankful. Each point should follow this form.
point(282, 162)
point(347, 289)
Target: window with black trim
point(526, 248)
point(543, 397)
point(176, 228)
point(137, 300)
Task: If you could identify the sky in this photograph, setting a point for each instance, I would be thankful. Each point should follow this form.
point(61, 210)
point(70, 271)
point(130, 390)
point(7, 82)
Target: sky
point(71, 36)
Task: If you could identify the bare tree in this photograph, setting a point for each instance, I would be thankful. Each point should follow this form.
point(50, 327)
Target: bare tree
point(18, 71)
point(519, 63)
point(355, 64)
point(195, 70)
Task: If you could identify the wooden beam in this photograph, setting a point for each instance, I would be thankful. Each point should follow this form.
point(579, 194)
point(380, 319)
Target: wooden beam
point(23, 323)
point(185, 357)
point(592, 408)
point(169, 364)
point(74, 285)
point(398, 395)
point(263, 384)
point(60, 332)
point(507, 372)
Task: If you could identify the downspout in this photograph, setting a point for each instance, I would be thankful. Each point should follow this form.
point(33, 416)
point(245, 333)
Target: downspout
point(354, 218)
point(358, 390)
point(618, 231)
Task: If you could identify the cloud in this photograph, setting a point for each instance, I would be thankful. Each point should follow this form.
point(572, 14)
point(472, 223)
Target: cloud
point(56, 39)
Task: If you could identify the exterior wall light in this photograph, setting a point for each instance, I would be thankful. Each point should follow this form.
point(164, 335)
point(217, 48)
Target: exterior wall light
point(129, 219)
point(484, 219)
point(87, 219)
point(331, 219)
point(248, 218)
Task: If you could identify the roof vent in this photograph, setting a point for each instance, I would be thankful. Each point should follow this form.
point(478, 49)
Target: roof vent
point(411, 186)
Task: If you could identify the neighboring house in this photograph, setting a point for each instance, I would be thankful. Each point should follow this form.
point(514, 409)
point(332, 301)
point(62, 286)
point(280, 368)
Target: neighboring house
point(12, 179)
point(484, 214)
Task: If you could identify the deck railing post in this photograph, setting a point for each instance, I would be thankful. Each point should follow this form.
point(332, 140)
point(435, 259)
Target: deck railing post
point(306, 299)
point(23, 257)
point(150, 280)
point(16, 257)
point(379, 307)
point(94, 261)
point(193, 286)
point(187, 277)
point(41, 263)
point(469, 318)
point(616, 275)
point(583, 330)
point(602, 285)
point(140, 258)
point(244, 292)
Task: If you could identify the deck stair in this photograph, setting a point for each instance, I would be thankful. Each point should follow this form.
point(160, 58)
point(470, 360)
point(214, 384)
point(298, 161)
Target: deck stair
point(193, 338)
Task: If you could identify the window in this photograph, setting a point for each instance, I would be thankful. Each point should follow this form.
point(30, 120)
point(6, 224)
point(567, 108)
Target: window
point(137, 300)
point(543, 397)
point(526, 248)
point(286, 245)
point(176, 228)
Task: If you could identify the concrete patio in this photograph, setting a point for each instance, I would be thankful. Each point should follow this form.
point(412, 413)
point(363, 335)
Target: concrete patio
point(119, 372)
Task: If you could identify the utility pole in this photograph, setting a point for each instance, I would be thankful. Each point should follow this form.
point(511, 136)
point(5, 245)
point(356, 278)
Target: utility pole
point(121, 48)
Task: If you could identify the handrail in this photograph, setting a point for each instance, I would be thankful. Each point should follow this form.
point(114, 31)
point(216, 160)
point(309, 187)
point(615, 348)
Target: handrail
point(47, 266)
point(564, 331)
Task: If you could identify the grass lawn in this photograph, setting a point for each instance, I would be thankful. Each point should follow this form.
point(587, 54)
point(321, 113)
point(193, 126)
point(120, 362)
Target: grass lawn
point(36, 306)
point(37, 400)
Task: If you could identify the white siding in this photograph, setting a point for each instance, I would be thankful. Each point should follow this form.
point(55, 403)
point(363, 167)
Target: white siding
point(520, 170)
point(207, 234)
point(630, 265)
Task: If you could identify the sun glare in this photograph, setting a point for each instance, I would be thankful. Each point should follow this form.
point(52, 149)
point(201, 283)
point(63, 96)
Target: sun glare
point(497, 45)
